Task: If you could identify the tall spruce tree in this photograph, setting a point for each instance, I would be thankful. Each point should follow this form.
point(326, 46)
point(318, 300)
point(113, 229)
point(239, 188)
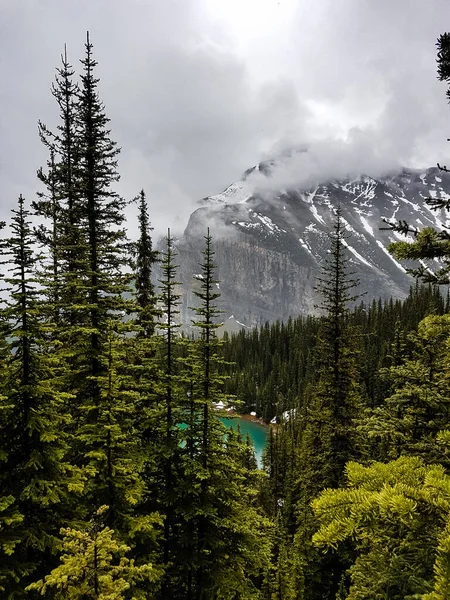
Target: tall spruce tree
point(329, 438)
point(418, 408)
point(144, 367)
point(59, 203)
point(145, 259)
point(92, 247)
point(206, 376)
point(334, 402)
point(103, 216)
point(34, 441)
point(167, 435)
point(226, 549)
point(94, 340)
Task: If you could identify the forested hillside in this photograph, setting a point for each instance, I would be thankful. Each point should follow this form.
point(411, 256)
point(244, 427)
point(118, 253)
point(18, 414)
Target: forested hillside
point(272, 367)
point(118, 480)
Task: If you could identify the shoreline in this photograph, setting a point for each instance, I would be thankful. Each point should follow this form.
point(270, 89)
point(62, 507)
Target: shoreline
point(247, 417)
point(254, 419)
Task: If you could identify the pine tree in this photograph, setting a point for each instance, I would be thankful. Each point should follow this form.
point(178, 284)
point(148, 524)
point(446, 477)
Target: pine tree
point(417, 409)
point(103, 216)
point(227, 542)
point(396, 516)
point(144, 374)
point(333, 406)
point(329, 438)
point(94, 564)
point(166, 435)
point(95, 250)
point(145, 260)
point(34, 441)
point(60, 203)
point(114, 457)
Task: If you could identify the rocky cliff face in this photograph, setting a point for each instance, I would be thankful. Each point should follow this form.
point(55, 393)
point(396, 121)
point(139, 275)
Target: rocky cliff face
point(270, 245)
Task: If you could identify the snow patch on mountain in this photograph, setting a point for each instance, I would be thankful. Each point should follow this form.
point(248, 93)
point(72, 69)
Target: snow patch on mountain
point(366, 226)
point(397, 264)
point(280, 237)
point(355, 253)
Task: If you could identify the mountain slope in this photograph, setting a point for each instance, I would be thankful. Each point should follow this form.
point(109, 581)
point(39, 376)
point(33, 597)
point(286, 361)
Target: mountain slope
point(270, 244)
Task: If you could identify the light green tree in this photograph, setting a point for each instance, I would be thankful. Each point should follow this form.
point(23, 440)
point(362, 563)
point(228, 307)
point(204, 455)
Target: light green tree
point(94, 565)
point(397, 516)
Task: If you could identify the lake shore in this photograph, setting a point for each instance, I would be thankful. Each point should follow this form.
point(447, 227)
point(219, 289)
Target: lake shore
point(253, 419)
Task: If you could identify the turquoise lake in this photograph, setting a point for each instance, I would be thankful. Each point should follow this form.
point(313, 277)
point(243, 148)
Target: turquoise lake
point(258, 434)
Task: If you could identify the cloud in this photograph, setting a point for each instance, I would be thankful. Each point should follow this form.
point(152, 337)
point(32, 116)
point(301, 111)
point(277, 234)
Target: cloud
point(324, 160)
point(194, 102)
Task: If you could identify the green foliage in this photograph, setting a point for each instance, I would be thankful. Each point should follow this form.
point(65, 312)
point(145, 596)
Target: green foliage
point(145, 259)
point(94, 565)
point(34, 444)
point(408, 421)
point(272, 368)
point(329, 438)
point(396, 515)
point(224, 535)
point(10, 535)
point(112, 455)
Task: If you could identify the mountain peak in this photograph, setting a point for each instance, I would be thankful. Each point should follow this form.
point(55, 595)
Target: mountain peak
point(272, 238)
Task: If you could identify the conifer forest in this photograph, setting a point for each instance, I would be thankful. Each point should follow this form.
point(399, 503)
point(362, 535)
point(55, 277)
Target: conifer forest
point(118, 477)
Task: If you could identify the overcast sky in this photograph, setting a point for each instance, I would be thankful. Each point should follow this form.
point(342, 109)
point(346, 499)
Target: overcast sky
point(200, 90)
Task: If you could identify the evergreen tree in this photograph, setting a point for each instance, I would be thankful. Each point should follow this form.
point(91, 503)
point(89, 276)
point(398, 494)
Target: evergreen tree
point(92, 248)
point(429, 243)
point(60, 203)
point(36, 477)
point(93, 341)
point(113, 452)
point(329, 438)
point(145, 260)
point(409, 420)
point(143, 368)
point(396, 515)
point(330, 431)
point(103, 217)
point(166, 435)
point(228, 546)
point(94, 565)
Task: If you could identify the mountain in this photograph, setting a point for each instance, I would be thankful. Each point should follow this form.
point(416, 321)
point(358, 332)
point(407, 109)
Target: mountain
point(270, 243)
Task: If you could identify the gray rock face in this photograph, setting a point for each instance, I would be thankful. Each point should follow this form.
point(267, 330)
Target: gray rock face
point(270, 246)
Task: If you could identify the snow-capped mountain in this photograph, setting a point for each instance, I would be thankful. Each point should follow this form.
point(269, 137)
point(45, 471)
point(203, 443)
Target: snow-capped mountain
point(270, 244)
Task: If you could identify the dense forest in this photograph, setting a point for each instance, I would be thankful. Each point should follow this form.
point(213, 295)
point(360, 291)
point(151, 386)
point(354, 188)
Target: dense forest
point(118, 480)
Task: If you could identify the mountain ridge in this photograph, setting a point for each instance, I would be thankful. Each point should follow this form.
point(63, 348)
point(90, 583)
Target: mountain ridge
point(270, 243)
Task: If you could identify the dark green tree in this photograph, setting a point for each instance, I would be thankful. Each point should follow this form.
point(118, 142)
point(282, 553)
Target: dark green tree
point(329, 438)
point(93, 340)
point(36, 476)
point(145, 259)
point(103, 218)
point(165, 430)
point(59, 204)
point(227, 548)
